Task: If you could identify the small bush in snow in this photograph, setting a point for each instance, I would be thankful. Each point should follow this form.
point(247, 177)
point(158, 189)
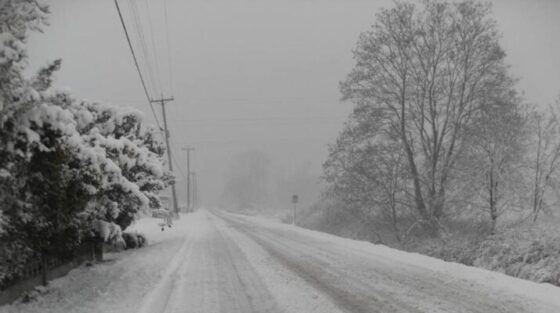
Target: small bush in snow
point(527, 256)
point(33, 294)
point(131, 240)
point(142, 240)
point(134, 240)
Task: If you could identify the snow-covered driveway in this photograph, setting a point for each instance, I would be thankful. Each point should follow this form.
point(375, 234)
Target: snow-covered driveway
point(220, 262)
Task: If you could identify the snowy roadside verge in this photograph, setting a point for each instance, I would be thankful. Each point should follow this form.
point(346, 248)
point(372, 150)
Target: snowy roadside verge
point(149, 226)
point(494, 282)
point(120, 283)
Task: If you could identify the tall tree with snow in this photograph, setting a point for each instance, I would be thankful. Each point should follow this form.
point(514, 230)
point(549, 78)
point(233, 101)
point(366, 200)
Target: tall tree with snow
point(368, 173)
point(544, 158)
point(428, 70)
point(64, 163)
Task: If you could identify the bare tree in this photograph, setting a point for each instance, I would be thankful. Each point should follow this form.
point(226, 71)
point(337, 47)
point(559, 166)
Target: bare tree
point(427, 71)
point(545, 160)
point(367, 172)
point(494, 155)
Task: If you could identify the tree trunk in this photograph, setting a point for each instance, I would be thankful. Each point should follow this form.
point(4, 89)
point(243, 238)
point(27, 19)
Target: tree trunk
point(438, 203)
point(492, 199)
point(394, 216)
point(538, 208)
point(418, 198)
point(98, 249)
point(44, 269)
point(494, 222)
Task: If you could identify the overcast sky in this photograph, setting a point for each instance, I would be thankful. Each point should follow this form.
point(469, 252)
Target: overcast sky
point(259, 74)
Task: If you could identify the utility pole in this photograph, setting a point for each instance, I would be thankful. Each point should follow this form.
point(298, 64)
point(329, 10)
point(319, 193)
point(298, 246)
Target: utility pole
point(188, 149)
point(295, 200)
point(162, 101)
point(195, 191)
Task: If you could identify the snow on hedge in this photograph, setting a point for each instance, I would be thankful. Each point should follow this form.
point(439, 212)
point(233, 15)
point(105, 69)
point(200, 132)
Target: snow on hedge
point(64, 163)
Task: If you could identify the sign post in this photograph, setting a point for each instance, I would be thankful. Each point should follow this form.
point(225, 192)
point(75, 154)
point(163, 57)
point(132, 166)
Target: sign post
point(294, 201)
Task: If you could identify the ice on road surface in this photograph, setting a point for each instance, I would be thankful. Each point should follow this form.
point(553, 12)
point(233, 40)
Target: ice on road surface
point(222, 262)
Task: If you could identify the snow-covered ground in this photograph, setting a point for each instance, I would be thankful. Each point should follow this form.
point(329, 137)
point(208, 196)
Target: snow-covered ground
point(119, 283)
point(221, 262)
point(359, 276)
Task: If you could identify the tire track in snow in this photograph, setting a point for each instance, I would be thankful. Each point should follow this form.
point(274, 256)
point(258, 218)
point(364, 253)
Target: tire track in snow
point(159, 298)
point(322, 276)
point(360, 282)
point(210, 274)
point(257, 296)
point(293, 294)
point(441, 293)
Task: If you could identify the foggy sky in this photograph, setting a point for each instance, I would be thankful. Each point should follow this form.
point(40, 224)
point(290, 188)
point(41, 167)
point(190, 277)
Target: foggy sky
point(261, 75)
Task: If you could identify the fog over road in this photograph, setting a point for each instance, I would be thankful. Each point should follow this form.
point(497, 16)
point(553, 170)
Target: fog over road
point(242, 264)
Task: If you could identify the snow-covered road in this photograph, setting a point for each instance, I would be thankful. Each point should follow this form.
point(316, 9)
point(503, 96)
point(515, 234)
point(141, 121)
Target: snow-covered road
point(361, 277)
point(221, 262)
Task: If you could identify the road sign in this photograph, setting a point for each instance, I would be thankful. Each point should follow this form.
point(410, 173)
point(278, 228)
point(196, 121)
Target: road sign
point(294, 201)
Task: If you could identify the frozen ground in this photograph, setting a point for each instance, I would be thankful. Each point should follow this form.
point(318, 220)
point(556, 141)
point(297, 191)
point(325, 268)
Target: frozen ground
point(220, 262)
point(121, 281)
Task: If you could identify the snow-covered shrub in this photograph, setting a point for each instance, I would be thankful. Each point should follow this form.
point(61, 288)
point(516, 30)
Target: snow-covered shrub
point(108, 231)
point(64, 163)
point(116, 237)
point(532, 255)
point(128, 156)
point(134, 240)
point(459, 251)
point(34, 294)
point(142, 240)
point(131, 240)
point(17, 98)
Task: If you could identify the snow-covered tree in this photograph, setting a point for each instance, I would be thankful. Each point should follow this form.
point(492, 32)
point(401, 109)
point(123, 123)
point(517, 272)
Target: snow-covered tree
point(544, 158)
point(492, 160)
point(427, 70)
point(65, 164)
point(130, 158)
point(17, 96)
point(367, 172)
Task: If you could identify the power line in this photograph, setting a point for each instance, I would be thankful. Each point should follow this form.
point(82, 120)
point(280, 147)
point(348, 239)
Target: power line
point(282, 98)
point(153, 41)
point(147, 58)
point(136, 64)
point(168, 46)
point(260, 141)
point(143, 46)
point(188, 150)
point(169, 151)
point(178, 164)
point(326, 120)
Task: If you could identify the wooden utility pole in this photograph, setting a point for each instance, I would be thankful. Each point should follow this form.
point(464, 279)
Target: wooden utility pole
point(189, 198)
point(162, 101)
point(195, 191)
